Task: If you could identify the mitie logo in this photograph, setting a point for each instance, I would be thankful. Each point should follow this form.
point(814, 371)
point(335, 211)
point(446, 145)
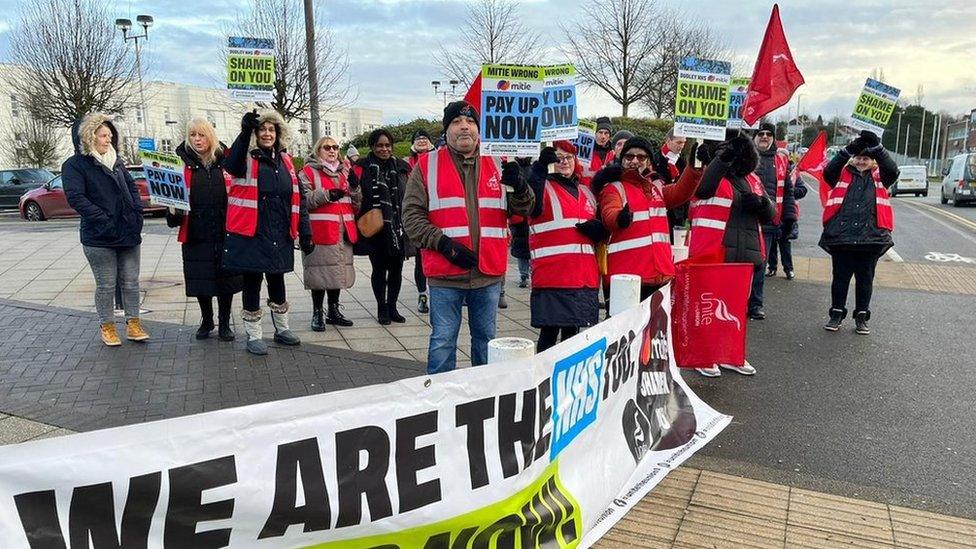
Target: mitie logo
point(711, 308)
point(575, 394)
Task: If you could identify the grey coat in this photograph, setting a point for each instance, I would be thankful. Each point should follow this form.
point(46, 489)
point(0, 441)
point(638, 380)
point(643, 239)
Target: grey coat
point(328, 267)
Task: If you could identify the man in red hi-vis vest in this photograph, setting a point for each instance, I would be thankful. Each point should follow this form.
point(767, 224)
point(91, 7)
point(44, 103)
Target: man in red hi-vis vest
point(774, 172)
point(456, 209)
point(858, 221)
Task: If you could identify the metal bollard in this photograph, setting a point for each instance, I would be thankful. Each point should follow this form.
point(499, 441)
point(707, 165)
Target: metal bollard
point(679, 253)
point(501, 349)
point(624, 292)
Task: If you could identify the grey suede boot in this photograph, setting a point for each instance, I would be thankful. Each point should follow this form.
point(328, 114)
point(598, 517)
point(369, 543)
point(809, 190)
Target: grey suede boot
point(279, 317)
point(252, 327)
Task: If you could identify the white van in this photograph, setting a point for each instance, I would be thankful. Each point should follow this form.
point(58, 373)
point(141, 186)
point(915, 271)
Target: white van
point(912, 180)
point(959, 180)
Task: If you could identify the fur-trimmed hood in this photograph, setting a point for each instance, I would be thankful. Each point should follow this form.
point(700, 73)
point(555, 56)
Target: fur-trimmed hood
point(83, 132)
point(283, 131)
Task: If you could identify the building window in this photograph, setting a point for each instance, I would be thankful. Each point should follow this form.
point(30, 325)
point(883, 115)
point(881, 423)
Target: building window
point(166, 145)
point(166, 116)
point(139, 115)
point(14, 106)
point(344, 132)
point(212, 119)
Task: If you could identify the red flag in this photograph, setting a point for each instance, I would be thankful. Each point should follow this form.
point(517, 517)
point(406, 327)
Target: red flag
point(473, 97)
point(811, 166)
point(775, 77)
point(708, 313)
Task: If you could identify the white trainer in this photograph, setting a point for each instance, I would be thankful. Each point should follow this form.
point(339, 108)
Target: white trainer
point(710, 372)
point(746, 369)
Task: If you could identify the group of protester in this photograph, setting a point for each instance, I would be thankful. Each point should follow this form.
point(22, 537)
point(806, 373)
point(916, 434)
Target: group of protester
point(571, 225)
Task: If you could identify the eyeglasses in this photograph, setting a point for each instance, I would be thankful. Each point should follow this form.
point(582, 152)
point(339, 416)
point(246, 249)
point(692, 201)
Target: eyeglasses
point(630, 157)
point(329, 147)
point(764, 134)
point(563, 158)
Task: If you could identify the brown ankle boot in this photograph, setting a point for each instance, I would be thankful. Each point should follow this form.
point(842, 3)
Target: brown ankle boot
point(134, 331)
point(110, 334)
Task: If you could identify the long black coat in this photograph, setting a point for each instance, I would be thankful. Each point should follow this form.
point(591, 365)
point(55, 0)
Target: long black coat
point(855, 226)
point(271, 249)
point(203, 250)
point(107, 200)
point(383, 186)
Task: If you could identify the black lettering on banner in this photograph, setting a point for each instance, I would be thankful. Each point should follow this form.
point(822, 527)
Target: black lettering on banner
point(369, 481)
point(92, 513)
point(39, 517)
point(552, 494)
point(545, 418)
point(515, 127)
point(185, 511)
point(619, 366)
point(300, 457)
point(472, 415)
point(443, 540)
point(410, 459)
point(511, 431)
point(500, 535)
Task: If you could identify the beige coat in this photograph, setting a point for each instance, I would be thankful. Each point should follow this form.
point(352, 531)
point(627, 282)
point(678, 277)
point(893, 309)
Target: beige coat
point(328, 267)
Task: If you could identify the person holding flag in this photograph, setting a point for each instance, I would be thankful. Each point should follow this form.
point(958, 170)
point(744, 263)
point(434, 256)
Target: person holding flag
point(773, 170)
point(858, 221)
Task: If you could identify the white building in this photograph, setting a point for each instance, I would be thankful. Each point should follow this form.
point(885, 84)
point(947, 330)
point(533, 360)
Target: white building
point(169, 106)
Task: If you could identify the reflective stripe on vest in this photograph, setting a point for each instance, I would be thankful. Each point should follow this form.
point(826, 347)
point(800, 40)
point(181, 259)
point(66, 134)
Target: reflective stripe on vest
point(447, 210)
point(242, 199)
point(563, 257)
point(782, 165)
point(884, 216)
point(644, 247)
point(327, 218)
point(710, 217)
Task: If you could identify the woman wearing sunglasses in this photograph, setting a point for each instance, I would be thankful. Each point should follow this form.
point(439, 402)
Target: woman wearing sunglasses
point(332, 206)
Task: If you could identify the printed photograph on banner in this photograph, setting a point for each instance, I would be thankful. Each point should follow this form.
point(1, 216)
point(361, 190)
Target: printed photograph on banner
point(585, 141)
point(164, 179)
point(738, 88)
point(559, 113)
point(874, 107)
point(702, 98)
point(250, 68)
point(511, 109)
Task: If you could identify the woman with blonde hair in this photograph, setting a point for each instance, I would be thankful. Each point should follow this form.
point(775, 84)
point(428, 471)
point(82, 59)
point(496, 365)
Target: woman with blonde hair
point(858, 221)
point(332, 206)
point(202, 228)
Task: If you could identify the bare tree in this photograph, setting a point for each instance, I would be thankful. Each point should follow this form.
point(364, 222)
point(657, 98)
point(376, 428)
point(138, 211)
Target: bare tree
point(491, 33)
point(284, 22)
point(613, 45)
point(681, 37)
point(33, 143)
point(74, 62)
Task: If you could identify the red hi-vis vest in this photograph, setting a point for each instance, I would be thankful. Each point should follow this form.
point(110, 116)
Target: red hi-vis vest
point(242, 200)
point(884, 216)
point(185, 224)
point(782, 165)
point(644, 247)
point(563, 257)
point(709, 218)
point(325, 219)
point(447, 211)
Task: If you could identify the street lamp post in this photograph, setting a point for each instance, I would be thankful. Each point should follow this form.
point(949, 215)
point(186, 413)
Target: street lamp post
point(444, 93)
point(145, 21)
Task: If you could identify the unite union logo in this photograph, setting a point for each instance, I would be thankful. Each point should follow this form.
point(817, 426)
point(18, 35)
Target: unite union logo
point(712, 308)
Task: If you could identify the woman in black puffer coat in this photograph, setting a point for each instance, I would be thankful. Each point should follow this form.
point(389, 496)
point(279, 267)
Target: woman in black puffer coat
point(202, 229)
point(857, 224)
point(383, 179)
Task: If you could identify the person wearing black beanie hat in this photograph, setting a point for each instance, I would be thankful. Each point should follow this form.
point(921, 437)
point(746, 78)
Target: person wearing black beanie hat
point(455, 109)
point(602, 148)
point(420, 144)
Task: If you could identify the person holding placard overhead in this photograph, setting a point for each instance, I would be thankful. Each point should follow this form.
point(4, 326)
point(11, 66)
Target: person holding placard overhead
point(202, 229)
point(563, 227)
point(266, 217)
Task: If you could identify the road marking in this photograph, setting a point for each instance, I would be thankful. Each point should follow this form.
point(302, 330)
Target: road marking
point(892, 255)
point(935, 209)
point(940, 257)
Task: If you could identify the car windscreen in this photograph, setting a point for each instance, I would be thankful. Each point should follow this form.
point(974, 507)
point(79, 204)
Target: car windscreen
point(34, 175)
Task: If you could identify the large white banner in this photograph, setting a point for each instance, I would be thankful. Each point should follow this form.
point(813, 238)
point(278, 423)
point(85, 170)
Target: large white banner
point(547, 452)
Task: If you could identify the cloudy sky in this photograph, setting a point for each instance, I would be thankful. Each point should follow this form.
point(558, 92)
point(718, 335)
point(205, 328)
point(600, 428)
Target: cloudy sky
point(392, 43)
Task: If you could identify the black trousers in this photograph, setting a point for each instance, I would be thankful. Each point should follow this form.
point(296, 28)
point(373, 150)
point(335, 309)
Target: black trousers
point(419, 277)
point(549, 334)
point(223, 307)
point(861, 266)
point(386, 278)
point(252, 289)
point(318, 296)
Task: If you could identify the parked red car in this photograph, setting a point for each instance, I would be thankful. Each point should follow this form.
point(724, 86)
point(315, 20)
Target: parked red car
point(49, 202)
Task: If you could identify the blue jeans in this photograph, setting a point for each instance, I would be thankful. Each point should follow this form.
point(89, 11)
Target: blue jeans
point(112, 268)
point(756, 295)
point(445, 322)
point(523, 265)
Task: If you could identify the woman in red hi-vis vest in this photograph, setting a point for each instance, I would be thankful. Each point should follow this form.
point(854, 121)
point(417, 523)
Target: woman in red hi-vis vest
point(266, 217)
point(563, 228)
point(202, 228)
point(332, 205)
point(858, 221)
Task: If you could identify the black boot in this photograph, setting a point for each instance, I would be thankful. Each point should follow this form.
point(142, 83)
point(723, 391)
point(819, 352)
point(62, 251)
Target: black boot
point(861, 322)
point(836, 317)
point(395, 315)
point(334, 316)
point(318, 322)
point(382, 314)
point(206, 326)
point(224, 331)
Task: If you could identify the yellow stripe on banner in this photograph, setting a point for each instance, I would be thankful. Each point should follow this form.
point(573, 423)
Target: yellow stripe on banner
point(545, 513)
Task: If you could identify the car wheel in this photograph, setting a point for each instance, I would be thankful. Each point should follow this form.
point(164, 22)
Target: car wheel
point(955, 200)
point(942, 197)
point(33, 212)
point(925, 194)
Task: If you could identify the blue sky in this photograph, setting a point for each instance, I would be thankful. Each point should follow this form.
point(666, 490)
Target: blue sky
point(392, 45)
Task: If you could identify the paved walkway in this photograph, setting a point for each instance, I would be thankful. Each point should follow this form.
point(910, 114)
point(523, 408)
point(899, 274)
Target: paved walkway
point(55, 378)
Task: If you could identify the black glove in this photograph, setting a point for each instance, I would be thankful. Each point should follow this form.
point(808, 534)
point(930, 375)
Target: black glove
point(705, 153)
point(625, 217)
point(733, 148)
point(250, 122)
point(548, 156)
point(512, 176)
point(751, 203)
point(869, 139)
point(855, 147)
point(336, 194)
point(592, 229)
point(305, 244)
point(456, 253)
